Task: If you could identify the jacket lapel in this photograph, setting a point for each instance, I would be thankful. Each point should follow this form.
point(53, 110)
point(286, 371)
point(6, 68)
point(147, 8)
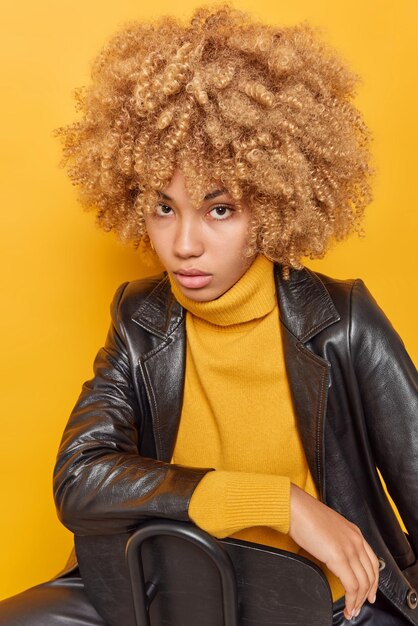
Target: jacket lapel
point(305, 310)
point(163, 367)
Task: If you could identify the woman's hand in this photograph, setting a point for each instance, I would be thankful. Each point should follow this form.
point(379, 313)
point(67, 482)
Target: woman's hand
point(339, 544)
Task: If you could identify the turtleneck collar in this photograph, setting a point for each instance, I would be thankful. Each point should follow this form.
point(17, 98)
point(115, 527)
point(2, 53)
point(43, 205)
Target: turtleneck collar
point(253, 296)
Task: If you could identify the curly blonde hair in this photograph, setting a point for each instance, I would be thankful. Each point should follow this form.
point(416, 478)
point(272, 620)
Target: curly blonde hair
point(265, 111)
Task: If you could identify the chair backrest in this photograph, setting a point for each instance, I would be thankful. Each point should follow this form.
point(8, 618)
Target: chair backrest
point(181, 576)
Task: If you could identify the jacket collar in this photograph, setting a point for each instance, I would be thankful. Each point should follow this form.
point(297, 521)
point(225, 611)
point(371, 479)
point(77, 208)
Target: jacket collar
point(305, 306)
point(160, 313)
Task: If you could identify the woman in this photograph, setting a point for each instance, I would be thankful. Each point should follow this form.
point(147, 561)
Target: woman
point(240, 390)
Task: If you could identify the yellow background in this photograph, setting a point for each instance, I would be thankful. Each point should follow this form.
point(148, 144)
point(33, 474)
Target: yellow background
point(60, 271)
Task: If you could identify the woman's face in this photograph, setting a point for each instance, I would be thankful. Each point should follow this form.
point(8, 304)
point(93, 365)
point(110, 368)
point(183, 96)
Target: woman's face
point(202, 249)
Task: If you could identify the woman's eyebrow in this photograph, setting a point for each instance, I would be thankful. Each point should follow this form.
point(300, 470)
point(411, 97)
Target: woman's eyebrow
point(214, 194)
point(209, 196)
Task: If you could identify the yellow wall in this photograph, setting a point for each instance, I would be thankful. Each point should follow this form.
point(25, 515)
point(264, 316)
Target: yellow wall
point(60, 271)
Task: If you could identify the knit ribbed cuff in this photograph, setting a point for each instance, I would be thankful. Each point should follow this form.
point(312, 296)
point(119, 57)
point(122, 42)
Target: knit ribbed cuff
point(224, 503)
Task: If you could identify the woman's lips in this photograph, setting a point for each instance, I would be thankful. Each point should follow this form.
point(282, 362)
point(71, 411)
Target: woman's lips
point(193, 280)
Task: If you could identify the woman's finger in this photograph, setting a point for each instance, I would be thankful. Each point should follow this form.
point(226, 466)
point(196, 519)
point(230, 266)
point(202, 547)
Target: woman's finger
point(356, 584)
point(374, 564)
point(363, 581)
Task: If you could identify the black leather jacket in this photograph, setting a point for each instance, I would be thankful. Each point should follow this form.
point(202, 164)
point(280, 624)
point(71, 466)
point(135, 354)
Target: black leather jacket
point(354, 392)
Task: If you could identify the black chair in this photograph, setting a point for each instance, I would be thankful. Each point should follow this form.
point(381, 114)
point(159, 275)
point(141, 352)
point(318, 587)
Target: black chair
point(181, 576)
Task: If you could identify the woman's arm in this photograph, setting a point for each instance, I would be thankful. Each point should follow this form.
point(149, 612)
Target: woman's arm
point(388, 386)
point(101, 483)
point(338, 543)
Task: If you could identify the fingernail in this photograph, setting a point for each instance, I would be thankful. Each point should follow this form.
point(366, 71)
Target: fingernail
point(373, 599)
point(357, 613)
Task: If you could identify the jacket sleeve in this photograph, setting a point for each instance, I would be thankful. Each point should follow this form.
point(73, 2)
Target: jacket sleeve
point(101, 483)
point(387, 380)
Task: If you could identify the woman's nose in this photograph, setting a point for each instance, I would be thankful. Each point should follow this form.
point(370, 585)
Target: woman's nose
point(189, 238)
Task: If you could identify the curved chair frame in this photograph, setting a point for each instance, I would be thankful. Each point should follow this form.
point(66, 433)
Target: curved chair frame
point(258, 584)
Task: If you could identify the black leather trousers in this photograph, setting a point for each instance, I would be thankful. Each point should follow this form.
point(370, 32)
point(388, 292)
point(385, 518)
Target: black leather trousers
point(59, 602)
point(63, 602)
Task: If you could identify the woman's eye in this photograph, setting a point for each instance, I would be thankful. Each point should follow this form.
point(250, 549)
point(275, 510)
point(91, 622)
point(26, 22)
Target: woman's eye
point(221, 212)
point(163, 209)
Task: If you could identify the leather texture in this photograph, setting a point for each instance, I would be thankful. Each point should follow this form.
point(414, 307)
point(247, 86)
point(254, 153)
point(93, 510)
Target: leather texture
point(63, 601)
point(59, 602)
point(354, 390)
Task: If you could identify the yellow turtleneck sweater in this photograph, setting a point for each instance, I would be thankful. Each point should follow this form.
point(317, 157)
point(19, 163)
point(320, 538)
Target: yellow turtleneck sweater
point(237, 415)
